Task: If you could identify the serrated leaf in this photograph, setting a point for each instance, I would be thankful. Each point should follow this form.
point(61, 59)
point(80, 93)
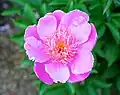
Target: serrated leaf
point(29, 14)
point(107, 6)
point(10, 12)
point(114, 31)
point(70, 88)
point(111, 53)
point(118, 83)
point(100, 83)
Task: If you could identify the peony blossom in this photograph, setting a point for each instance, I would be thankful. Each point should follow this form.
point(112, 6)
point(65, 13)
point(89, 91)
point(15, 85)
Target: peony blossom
point(61, 45)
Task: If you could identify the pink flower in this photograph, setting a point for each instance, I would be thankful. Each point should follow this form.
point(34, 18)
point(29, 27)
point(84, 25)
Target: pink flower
point(61, 45)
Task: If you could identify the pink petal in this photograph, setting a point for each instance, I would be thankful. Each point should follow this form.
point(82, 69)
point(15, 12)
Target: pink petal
point(35, 51)
point(40, 72)
point(58, 14)
point(92, 39)
point(78, 77)
point(31, 31)
point(83, 62)
point(46, 26)
point(81, 31)
point(67, 18)
point(57, 72)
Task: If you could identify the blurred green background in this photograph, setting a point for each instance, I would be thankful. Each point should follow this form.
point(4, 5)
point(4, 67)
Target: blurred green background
point(105, 14)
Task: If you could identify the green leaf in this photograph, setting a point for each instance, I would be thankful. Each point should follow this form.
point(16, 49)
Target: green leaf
point(18, 2)
point(117, 3)
point(18, 39)
point(118, 83)
point(98, 49)
point(37, 82)
point(34, 2)
point(106, 91)
point(114, 31)
point(58, 3)
point(115, 15)
point(70, 5)
point(26, 62)
point(111, 72)
point(111, 53)
point(20, 25)
point(43, 9)
point(91, 90)
point(101, 83)
point(107, 6)
point(94, 71)
point(56, 89)
point(81, 90)
point(29, 14)
point(101, 31)
point(10, 12)
point(70, 88)
point(116, 22)
point(43, 89)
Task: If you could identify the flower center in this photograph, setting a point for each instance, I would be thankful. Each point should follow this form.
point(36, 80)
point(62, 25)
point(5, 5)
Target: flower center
point(61, 47)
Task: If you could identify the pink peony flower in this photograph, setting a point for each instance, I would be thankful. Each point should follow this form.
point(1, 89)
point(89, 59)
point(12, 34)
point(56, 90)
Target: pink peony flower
point(61, 45)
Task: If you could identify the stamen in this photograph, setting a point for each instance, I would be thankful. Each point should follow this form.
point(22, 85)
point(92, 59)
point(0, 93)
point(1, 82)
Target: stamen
point(62, 47)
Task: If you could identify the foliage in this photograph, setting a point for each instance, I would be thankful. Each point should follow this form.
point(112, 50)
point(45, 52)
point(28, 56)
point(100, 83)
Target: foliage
point(105, 14)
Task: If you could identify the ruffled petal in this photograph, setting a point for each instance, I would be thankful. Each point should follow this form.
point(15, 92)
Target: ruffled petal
point(40, 72)
point(68, 18)
point(58, 14)
point(81, 31)
point(92, 39)
point(57, 72)
point(78, 77)
point(35, 50)
point(46, 26)
point(83, 62)
point(31, 31)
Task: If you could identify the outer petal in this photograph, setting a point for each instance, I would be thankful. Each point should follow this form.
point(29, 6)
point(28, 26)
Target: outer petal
point(67, 18)
point(78, 77)
point(83, 62)
point(81, 31)
point(31, 31)
point(57, 72)
point(40, 72)
point(92, 39)
point(34, 50)
point(46, 26)
point(58, 14)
